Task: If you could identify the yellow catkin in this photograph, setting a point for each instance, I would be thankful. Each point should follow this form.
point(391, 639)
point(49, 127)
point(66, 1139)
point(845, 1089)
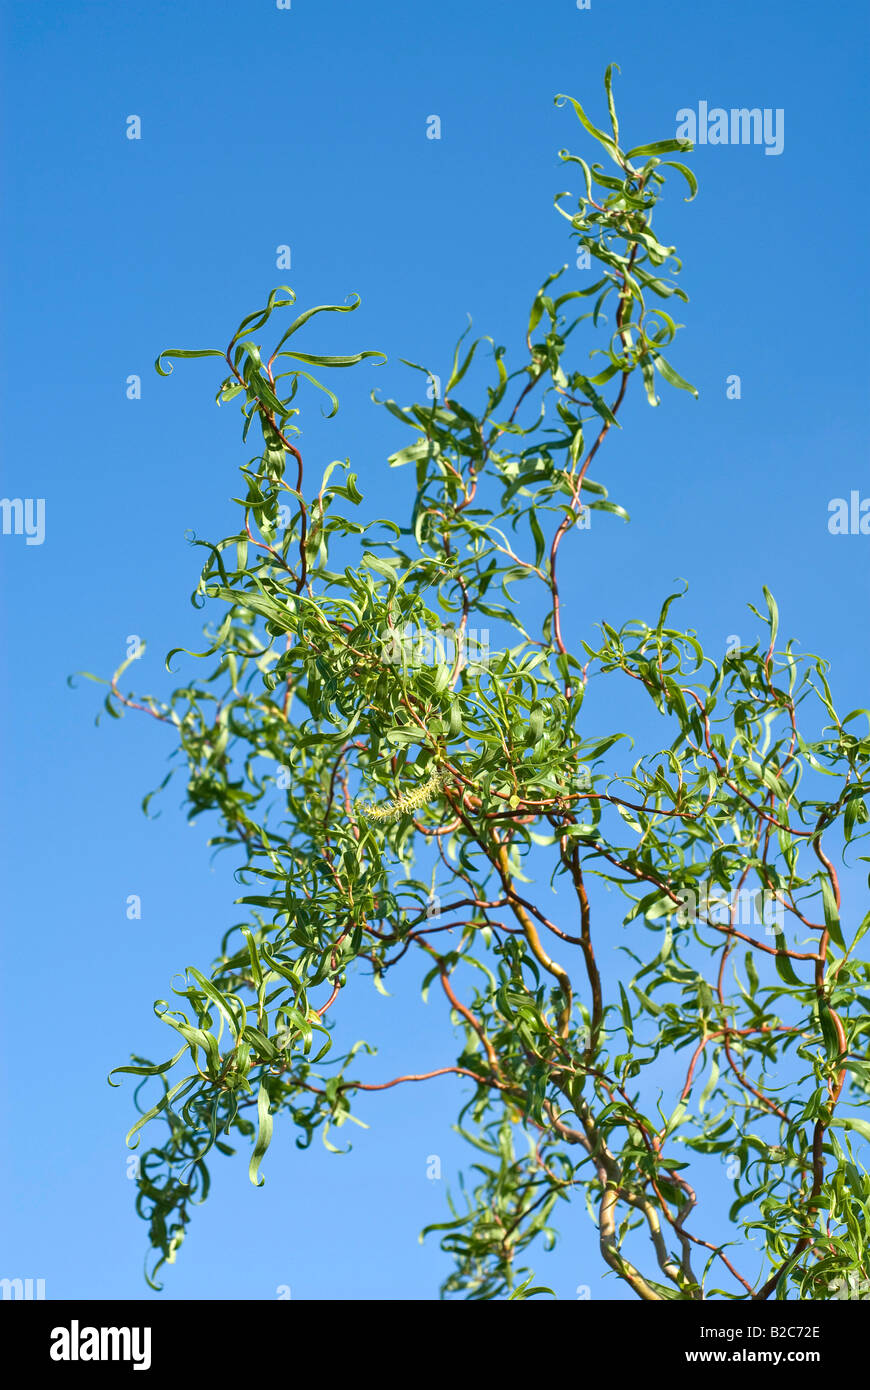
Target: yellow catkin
point(412, 801)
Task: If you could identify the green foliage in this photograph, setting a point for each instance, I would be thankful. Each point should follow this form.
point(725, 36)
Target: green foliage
point(357, 783)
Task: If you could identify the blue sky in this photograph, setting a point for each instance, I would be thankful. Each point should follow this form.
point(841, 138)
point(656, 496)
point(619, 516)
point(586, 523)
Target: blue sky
point(307, 127)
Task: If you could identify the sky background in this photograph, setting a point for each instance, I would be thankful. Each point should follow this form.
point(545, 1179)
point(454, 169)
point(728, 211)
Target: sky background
point(307, 127)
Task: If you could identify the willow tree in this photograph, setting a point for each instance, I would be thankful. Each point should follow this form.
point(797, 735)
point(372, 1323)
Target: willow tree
point(393, 784)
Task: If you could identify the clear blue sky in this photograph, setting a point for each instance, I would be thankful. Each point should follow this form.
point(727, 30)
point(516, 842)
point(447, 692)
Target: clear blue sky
point(262, 127)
